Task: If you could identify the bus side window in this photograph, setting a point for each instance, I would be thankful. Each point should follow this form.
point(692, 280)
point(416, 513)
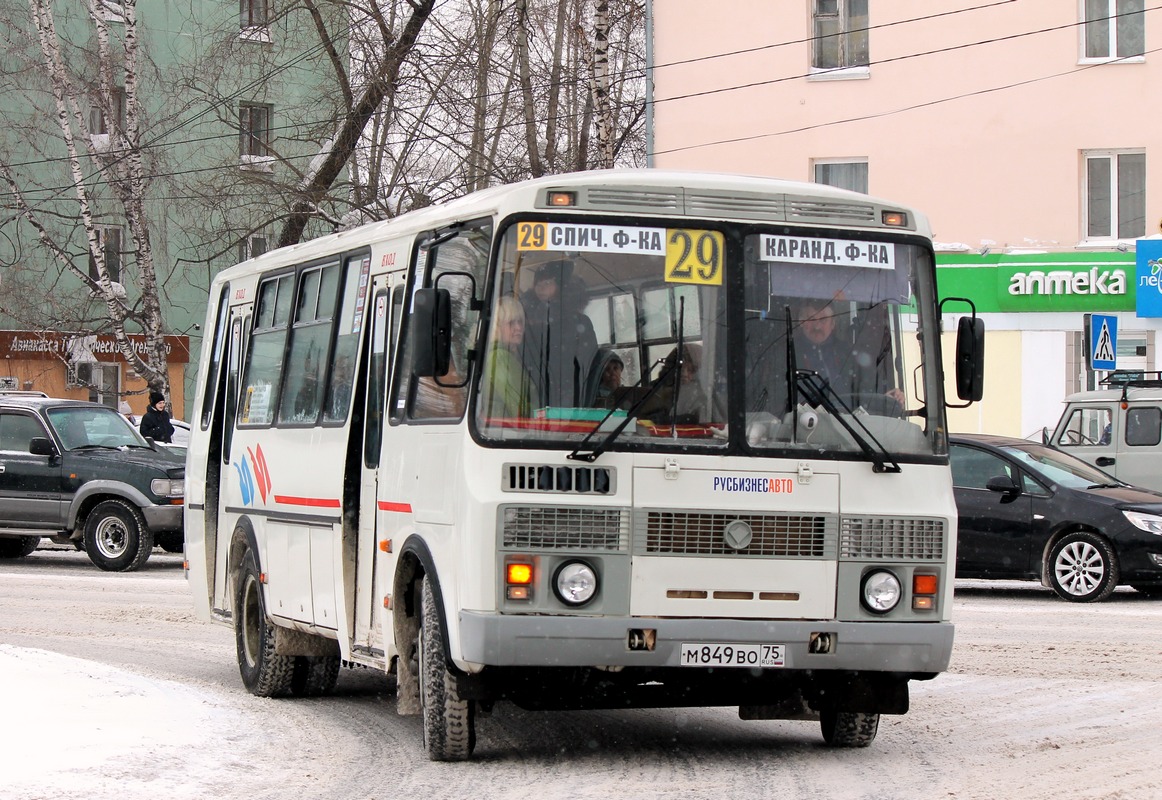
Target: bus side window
point(338, 399)
point(263, 369)
point(306, 361)
point(445, 398)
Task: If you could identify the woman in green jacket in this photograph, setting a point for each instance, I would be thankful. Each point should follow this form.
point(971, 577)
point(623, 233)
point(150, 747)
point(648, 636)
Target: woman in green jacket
point(508, 390)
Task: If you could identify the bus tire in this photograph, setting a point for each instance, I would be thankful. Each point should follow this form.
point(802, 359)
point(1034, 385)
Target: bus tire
point(848, 728)
point(449, 724)
point(18, 546)
point(264, 673)
point(315, 675)
point(116, 537)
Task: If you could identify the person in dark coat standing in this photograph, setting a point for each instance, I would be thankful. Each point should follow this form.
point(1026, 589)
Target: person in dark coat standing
point(155, 424)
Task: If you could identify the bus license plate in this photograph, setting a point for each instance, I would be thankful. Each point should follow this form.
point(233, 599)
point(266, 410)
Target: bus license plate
point(732, 655)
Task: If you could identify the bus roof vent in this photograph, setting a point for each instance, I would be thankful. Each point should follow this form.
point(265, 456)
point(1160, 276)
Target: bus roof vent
point(633, 198)
point(738, 205)
point(800, 209)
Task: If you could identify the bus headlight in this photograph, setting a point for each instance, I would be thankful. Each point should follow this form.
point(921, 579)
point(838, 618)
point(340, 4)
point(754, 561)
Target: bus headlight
point(881, 591)
point(575, 583)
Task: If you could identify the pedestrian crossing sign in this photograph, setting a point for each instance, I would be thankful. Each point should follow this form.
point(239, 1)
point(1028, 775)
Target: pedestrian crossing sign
point(1103, 342)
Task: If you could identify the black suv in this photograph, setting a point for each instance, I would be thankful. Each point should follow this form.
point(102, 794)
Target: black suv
point(80, 473)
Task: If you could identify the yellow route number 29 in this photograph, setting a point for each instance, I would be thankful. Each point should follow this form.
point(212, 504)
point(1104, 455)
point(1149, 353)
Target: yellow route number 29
point(694, 256)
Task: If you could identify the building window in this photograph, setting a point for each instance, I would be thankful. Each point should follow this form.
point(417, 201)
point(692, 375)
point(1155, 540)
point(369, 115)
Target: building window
point(103, 122)
point(254, 124)
point(254, 20)
point(843, 174)
point(840, 34)
point(1115, 194)
point(1113, 29)
point(109, 240)
point(251, 247)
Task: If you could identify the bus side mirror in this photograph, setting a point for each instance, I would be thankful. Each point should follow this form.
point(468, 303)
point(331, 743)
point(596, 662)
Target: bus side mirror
point(432, 328)
point(970, 359)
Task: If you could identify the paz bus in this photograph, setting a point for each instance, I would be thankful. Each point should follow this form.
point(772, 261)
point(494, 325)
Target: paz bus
point(563, 443)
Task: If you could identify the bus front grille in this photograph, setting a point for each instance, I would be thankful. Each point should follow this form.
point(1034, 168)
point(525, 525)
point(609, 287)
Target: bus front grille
point(705, 533)
point(907, 538)
point(564, 528)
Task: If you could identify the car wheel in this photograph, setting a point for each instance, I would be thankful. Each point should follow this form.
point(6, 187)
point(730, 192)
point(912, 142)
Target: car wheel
point(116, 537)
point(171, 541)
point(1083, 568)
point(448, 721)
point(848, 728)
point(264, 673)
point(18, 546)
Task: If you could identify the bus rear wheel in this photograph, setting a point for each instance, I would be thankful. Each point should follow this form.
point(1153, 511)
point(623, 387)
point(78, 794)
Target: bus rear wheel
point(263, 673)
point(848, 728)
point(449, 722)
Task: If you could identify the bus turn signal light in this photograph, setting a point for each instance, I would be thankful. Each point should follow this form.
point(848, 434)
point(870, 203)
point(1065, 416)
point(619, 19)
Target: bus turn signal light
point(520, 574)
point(562, 199)
point(925, 584)
point(924, 590)
point(895, 219)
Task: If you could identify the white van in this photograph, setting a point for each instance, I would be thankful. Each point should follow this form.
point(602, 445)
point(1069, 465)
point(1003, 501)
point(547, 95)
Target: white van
point(1117, 428)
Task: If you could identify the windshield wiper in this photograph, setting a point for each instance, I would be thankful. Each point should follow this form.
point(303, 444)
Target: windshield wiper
point(1106, 486)
point(818, 392)
point(591, 455)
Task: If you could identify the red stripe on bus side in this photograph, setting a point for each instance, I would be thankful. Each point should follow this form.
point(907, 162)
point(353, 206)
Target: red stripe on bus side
point(313, 502)
point(403, 508)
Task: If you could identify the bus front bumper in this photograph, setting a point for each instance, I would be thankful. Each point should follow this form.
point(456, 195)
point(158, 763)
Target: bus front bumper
point(542, 641)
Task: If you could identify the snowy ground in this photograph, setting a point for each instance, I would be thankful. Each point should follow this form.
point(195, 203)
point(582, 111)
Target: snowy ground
point(113, 690)
point(137, 734)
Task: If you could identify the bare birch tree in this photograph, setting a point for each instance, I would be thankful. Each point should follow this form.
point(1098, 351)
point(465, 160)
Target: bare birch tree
point(111, 159)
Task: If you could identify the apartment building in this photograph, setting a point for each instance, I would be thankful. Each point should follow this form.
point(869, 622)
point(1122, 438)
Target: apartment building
point(1023, 128)
point(226, 88)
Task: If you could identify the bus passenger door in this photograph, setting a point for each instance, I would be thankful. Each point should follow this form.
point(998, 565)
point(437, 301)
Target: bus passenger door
point(369, 594)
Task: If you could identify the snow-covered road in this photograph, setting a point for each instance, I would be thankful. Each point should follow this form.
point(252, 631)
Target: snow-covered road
point(113, 690)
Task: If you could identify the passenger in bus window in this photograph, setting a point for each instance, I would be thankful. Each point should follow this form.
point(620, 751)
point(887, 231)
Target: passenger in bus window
point(691, 406)
point(536, 303)
point(507, 388)
point(560, 341)
point(848, 368)
point(607, 369)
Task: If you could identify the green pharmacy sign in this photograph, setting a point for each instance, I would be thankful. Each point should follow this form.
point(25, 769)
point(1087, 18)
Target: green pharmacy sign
point(1041, 281)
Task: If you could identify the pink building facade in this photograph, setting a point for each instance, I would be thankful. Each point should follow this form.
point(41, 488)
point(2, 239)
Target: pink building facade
point(1025, 130)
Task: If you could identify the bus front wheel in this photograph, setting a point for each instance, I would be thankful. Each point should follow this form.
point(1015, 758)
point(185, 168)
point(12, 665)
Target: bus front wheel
point(449, 723)
point(848, 728)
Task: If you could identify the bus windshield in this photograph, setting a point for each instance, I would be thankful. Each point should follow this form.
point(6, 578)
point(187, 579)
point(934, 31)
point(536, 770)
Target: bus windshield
point(595, 328)
point(593, 322)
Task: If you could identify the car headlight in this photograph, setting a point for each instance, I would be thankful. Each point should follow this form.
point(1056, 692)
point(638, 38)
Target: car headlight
point(168, 487)
point(881, 591)
point(1150, 523)
point(575, 583)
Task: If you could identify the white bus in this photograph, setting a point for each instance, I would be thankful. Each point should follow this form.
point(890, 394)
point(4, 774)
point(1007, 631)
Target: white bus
point(581, 442)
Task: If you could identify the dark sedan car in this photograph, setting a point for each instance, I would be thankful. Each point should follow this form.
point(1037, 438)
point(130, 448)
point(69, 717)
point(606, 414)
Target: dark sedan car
point(1028, 511)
